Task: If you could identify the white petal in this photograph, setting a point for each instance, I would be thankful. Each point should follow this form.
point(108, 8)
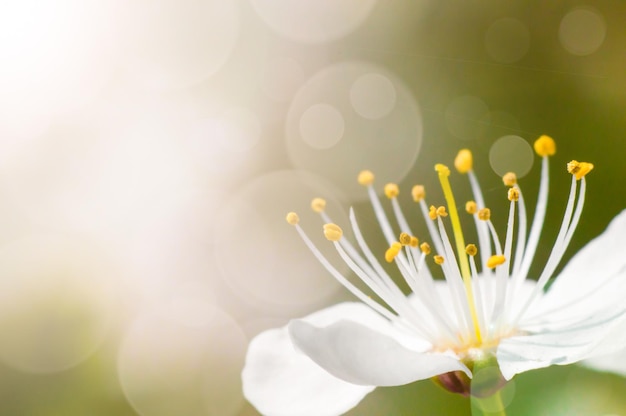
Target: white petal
point(558, 346)
point(612, 363)
point(360, 355)
point(599, 261)
point(281, 381)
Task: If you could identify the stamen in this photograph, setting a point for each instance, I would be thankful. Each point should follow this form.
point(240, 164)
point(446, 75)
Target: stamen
point(392, 252)
point(391, 190)
point(513, 194)
point(545, 146)
point(579, 169)
point(438, 259)
point(366, 178)
point(463, 161)
point(484, 214)
point(441, 211)
point(292, 218)
point(318, 205)
point(509, 179)
point(432, 212)
point(495, 261)
point(471, 250)
point(332, 232)
point(470, 207)
point(414, 242)
point(405, 239)
point(425, 248)
point(418, 193)
point(444, 173)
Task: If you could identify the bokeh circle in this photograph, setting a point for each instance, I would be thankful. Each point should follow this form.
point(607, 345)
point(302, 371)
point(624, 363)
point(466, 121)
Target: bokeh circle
point(382, 132)
point(511, 154)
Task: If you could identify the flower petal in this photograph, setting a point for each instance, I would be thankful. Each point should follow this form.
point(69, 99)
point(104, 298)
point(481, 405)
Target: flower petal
point(360, 355)
point(561, 346)
point(281, 381)
point(594, 265)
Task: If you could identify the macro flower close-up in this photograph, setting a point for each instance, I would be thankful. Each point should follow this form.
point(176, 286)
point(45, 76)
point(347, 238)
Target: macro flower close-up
point(487, 313)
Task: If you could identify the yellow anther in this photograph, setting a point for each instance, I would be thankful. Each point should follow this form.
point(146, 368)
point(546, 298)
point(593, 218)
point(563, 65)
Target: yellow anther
point(484, 214)
point(405, 239)
point(425, 248)
point(432, 212)
point(292, 218)
point(471, 207)
point(318, 205)
point(391, 190)
point(366, 177)
point(441, 211)
point(392, 252)
point(463, 161)
point(545, 146)
point(332, 232)
point(579, 169)
point(471, 250)
point(418, 193)
point(442, 170)
point(438, 259)
point(513, 194)
point(414, 241)
point(495, 261)
point(509, 179)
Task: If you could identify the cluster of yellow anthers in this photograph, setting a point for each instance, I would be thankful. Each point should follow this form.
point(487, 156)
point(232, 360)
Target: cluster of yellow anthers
point(462, 267)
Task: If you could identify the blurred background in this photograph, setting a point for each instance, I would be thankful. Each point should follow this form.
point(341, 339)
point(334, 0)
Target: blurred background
point(149, 150)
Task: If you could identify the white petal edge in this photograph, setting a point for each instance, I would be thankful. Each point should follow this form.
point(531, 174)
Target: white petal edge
point(361, 355)
point(563, 346)
point(600, 260)
point(279, 380)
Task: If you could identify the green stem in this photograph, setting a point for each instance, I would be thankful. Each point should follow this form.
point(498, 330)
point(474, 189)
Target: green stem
point(491, 405)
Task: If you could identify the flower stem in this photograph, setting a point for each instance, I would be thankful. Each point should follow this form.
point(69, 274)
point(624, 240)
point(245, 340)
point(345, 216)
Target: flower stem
point(488, 406)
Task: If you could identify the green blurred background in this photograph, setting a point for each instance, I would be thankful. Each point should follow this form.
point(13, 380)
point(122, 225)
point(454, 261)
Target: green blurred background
point(150, 149)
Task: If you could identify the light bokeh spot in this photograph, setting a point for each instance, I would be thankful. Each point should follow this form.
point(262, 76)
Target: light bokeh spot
point(262, 258)
point(313, 21)
point(242, 129)
point(373, 96)
point(281, 78)
point(582, 31)
point(388, 146)
point(167, 367)
point(56, 303)
point(467, 117)
point(511, 154)
point(172, 44)
point(507, 40)
point(322, 126)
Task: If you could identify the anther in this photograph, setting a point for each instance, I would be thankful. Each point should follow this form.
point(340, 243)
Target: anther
point(495, 261)
point(438, 259)
point(332, 232)
point(579, 169)
point(484, 214)
point(545, 146)
point(509, 179)
point(441, 211)
point(391, 190)
point(318, 205)
point(414, 241)
point(513, 194)
point(405, 239)
point(471, 207)
point(471, 250)
point(432, 212)
point(392, 252)
point(292, 218)
point(463, 161)
point(442, 170)
point(425, 248)
point(418, 193)
point(366, 177)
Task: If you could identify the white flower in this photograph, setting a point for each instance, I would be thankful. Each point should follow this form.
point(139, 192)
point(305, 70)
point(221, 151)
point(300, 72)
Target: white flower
point(325, 363)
